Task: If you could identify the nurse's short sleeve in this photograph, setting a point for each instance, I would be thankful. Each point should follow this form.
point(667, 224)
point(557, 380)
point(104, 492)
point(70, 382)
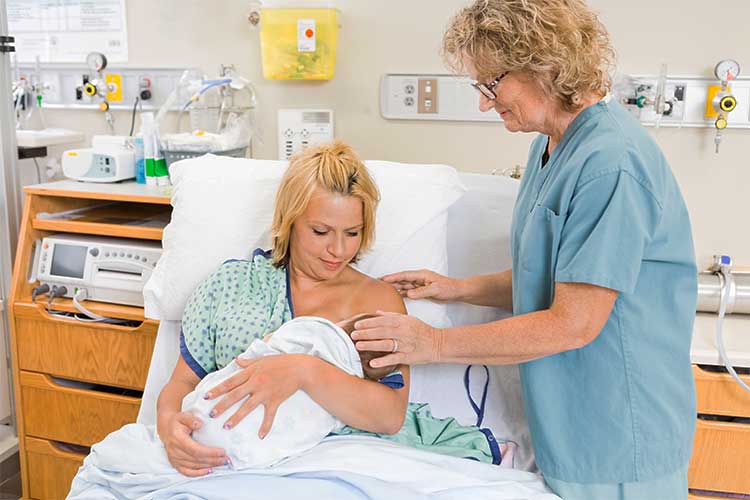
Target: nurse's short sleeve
point(198, 333)
point(610, 221)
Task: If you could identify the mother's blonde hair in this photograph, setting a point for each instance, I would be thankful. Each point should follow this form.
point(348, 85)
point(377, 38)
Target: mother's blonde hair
point(334, 167)
point(561, 42)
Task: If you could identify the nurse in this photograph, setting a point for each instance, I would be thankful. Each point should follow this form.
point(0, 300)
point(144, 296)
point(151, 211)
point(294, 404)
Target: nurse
point(603, 283)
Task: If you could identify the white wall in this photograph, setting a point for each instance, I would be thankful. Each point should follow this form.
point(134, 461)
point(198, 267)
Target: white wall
point(388, 36)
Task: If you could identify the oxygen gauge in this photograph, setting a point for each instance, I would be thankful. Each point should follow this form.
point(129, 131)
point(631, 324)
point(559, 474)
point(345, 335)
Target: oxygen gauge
point(97, 61)
point(727, 70)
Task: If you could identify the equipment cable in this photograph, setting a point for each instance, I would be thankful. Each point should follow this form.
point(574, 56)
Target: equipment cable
point(132, 117)
point(725, 280)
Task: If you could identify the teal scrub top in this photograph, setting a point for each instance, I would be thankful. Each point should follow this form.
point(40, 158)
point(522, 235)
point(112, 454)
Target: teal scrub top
point(606, 210)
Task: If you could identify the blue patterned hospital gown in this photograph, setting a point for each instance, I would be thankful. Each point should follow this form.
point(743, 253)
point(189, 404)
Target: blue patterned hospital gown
point(242, 301)
point(246, 299)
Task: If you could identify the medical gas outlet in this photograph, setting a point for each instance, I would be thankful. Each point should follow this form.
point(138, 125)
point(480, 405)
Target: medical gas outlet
point(107, 88)
point(646, 99)
point(720, 101)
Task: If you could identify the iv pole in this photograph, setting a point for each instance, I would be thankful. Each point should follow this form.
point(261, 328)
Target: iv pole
point(10, 202)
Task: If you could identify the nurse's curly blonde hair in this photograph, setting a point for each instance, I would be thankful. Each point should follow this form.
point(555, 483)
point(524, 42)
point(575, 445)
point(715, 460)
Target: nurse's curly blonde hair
point(334, 167)
point(561, 42)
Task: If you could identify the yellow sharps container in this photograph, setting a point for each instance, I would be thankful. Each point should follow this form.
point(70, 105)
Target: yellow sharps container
point(298, 39)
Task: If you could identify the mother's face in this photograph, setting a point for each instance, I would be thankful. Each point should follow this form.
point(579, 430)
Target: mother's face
point(520, 102)
point(328, 234)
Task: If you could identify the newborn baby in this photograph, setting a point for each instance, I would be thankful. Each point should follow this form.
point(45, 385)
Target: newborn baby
point(300, 422)
point(371, 373)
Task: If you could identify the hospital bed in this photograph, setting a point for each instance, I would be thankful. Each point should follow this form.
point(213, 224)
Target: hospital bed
point(457, 224)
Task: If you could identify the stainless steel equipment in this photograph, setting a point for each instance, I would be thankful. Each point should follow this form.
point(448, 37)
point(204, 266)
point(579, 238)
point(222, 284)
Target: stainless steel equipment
point(710, 287)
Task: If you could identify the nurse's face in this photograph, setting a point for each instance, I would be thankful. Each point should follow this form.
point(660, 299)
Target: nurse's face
point(327, 236)
point(521, 102)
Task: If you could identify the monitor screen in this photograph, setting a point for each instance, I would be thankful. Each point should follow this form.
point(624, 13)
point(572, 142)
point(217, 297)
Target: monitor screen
point(68, 260)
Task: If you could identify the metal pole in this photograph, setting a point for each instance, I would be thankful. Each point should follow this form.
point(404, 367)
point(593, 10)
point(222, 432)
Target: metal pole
point(10, 203)
point(9, 175)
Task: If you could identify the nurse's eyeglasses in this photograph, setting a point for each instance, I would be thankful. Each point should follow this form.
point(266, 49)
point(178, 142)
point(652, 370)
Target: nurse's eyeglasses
point(488, 89)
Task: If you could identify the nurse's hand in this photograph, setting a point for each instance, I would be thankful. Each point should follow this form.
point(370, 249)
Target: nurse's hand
point(187, 456)
point(425, 284)
point(269, 381)
point(415, 342)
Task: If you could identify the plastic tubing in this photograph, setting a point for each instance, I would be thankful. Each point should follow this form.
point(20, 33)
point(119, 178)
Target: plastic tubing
point(720, 331)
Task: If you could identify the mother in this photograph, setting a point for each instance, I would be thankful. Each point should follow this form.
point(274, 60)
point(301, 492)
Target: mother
point(324, 217)
point(603, 283)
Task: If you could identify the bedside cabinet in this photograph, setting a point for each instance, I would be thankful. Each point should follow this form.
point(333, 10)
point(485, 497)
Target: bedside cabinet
point(75, 382)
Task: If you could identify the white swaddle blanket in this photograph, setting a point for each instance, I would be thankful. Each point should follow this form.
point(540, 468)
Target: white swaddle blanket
point(300, 422)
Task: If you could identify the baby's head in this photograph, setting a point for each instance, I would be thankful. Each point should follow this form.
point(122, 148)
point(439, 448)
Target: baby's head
point(365, 356)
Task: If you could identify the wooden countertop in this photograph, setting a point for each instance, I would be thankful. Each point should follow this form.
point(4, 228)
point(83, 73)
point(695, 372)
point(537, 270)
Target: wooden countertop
point(115, 191)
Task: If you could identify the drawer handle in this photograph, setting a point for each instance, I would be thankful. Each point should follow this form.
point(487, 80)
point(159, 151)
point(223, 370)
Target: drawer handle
point(89, 324)
point(48, 382)
point(102, 389)
point(63, 447)
point(59, 449)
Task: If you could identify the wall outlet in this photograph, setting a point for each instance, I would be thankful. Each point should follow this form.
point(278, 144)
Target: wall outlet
point(299, 128)
point(427, 95)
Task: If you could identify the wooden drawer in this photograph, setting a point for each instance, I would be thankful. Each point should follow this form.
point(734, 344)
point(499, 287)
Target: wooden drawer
point(720, 456)
point(51, 469)
point(103, 354)
point(71, 415)
point(720, 394)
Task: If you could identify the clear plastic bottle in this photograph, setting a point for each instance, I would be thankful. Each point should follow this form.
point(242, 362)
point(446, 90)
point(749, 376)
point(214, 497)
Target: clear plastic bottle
point(140, 160)
point(147, 131)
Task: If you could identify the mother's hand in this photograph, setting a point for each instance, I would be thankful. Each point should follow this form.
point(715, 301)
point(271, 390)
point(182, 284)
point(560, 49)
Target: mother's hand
point(425, 284)
point(415, 342)
point(269, 381)
point(188, 457)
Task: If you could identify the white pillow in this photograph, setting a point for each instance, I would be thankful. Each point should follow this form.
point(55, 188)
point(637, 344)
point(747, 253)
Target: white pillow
point(223, 209)
point(220, 211)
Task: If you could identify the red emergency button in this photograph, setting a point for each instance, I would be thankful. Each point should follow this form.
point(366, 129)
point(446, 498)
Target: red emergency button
point(309, 33)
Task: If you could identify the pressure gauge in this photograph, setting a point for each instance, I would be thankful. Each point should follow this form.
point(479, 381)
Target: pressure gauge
point(96, 61)
point(726, 70)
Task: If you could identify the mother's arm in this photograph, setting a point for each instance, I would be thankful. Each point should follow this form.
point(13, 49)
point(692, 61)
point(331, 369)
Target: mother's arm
point(175, 426)
point(359, 403)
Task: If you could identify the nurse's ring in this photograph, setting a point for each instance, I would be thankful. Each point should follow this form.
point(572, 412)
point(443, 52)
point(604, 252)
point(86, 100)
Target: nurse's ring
point(395, 345)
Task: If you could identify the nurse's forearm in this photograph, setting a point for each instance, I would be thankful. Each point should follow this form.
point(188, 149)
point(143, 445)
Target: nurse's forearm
point(489, 290)
point(576, 317)
point(508, 341)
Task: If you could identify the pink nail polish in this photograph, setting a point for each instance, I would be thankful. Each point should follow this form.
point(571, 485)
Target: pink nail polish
point(228, 425)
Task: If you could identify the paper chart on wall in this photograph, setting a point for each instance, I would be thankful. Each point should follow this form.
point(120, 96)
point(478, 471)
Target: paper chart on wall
point(63, 31)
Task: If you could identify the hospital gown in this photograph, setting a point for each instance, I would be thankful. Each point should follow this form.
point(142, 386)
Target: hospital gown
point(606, 210)
point(244, 300)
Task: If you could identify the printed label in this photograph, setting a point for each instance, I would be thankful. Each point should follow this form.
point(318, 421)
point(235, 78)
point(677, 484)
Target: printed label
point(306, 35)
